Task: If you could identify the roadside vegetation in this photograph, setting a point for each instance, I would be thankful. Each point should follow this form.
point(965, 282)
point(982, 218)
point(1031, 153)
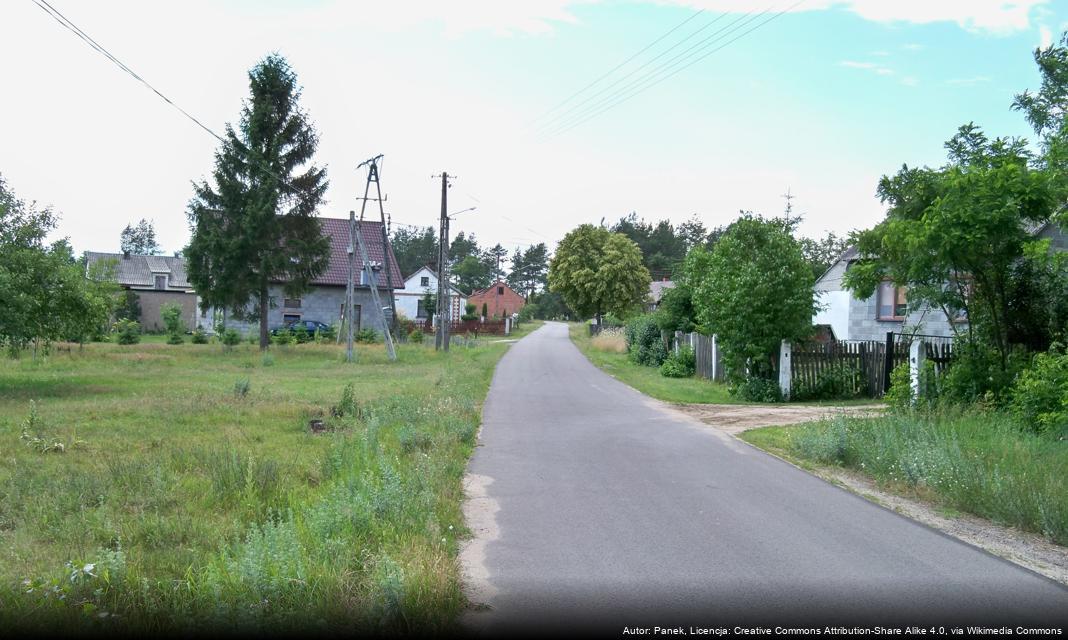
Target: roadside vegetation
point(197, 487)
point(606, 354)
point(980, 462)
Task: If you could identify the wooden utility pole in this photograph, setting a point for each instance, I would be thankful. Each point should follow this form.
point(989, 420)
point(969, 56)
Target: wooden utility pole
point(350, 354)
point(368, 269)
point(374, 175)
point(441, 334)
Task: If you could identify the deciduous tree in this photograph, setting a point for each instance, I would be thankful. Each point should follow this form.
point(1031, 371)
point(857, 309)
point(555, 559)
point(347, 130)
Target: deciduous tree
point(598, 271)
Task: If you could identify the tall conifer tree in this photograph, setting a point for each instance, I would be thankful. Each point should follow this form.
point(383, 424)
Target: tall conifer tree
point(257, 224)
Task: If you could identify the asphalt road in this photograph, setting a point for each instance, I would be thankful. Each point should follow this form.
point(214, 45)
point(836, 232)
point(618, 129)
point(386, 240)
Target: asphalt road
point(605, 509)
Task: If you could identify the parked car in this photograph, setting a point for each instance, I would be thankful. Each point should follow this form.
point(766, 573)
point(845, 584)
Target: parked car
point(310, 325)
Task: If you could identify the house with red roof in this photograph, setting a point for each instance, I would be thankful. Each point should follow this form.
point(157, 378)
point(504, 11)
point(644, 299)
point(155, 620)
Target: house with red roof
point(325, 299)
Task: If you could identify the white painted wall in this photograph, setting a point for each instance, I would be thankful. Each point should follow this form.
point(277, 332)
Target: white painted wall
point(835, 312)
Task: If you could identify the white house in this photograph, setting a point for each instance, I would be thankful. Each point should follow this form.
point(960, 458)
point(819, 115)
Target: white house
point(410, 300)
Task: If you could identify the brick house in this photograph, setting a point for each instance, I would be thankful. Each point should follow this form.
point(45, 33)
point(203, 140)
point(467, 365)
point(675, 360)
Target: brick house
point(325, 299)
point(499, 298)
point(157, 280)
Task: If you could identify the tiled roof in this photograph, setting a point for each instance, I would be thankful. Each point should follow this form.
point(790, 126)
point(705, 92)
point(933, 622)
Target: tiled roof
point(337, 271)
point(140, 271)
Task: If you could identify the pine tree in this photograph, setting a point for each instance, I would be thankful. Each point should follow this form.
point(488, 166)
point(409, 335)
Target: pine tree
point(257, 225)
point(139, 239)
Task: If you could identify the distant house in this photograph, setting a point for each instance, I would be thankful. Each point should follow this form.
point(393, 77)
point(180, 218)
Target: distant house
point(410, 301)
point(157, 280)
point(499, 298)
point(851, 318)
point(325, 299)
point(656, 292)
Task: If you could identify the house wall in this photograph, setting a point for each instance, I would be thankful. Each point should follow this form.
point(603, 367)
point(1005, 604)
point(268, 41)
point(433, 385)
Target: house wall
point(322, 303)
point(510, 301)
point(152, 301)
point(863, 324)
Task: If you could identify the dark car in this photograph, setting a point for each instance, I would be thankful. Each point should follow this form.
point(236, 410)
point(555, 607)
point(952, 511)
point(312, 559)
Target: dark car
point(310, 325)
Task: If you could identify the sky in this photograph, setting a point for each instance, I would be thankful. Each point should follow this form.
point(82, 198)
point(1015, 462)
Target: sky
point(821, 100)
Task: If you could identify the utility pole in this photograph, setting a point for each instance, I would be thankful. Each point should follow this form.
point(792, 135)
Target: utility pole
point(441, 335)
point(373, 175)
point(350, 355)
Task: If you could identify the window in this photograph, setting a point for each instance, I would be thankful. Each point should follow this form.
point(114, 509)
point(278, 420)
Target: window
point(892, 302)
point(424, 281)
point(288, 318)
point(500, 291)
point(291, 303)
point(161, 282)
point(420, 308)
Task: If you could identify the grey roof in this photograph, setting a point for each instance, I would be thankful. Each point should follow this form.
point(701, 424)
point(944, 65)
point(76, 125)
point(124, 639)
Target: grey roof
point(140, 271)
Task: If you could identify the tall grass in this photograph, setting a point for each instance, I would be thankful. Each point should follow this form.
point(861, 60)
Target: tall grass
point(982, 463)
point(190, 508)
point(609, 340)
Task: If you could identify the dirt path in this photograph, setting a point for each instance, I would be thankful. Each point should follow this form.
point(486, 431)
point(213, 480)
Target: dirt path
point(736, 418)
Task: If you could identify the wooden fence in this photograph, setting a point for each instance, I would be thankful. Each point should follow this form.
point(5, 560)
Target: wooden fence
point(865, 365)
point(475, 327)
point(709, 362)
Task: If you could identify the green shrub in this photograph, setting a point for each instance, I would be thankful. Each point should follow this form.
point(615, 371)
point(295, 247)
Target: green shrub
point(1040, 396)
point(241, 388)
point(469, 313)
point(284, 337)
point(757, 389)
point(836, 383)
point(416, 336)
point(230, 338)
point(128, 331)
point(645, 344)
point(199, 336)
point(899, 397)
point(175, 338)
point(300, 334)
point(679, 365)
point(368, 335)
point(328, 334)
point(976, 374)
point(171, 314)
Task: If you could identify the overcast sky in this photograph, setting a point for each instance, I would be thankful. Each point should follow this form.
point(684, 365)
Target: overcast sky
point(822, 101)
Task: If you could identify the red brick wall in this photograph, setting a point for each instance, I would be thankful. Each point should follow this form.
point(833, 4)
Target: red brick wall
point(509, 301)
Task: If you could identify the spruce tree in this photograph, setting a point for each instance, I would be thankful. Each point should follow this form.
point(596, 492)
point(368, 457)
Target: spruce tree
point(257, 224)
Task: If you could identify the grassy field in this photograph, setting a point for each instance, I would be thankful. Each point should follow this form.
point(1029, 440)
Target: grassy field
point(157, 487)
point(648, 379)
point(980, 463)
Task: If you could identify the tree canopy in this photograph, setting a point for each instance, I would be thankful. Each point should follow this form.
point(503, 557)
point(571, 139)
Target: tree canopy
point(753, 289)
point(257, 224)
point(598, 271)
point(956, 235)
point(139, 239)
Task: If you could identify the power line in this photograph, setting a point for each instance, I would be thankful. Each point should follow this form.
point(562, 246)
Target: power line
point(85, 37)
point(620, 65)
point(716, 36)
point(674, 72)
point(663, 53)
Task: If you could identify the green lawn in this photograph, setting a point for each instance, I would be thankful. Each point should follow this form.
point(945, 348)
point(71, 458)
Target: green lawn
point(140, 489)
point(648, 379)
point(976, 462)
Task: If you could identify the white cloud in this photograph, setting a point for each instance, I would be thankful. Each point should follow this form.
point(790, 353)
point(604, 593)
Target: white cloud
point(880, 54)
point(1045, 36)
point(912, 46)
point(910, 81)
point(998, 17)
point(875, 68)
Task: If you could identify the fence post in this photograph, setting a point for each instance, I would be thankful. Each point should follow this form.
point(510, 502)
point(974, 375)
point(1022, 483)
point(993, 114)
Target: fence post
point(785, 372)
point(888, 361)
point(716, 373)
point(917, 354)
point(507, 326)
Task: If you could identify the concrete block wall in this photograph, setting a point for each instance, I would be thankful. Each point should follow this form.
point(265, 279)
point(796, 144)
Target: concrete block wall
point(322, 303)
point(864, 325)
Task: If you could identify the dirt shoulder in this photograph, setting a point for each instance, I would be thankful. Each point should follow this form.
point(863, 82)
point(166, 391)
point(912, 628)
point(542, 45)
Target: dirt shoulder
point(736, 418)
point(1028, 550)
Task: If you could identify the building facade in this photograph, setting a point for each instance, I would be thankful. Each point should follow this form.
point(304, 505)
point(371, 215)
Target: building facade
point(499, 299)
point(410, 301)
point(157, 281)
